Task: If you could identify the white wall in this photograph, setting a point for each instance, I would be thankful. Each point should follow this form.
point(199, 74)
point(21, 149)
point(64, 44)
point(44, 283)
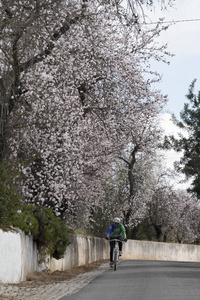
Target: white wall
point(161, 251)
point(81, 251)
point(10, 257)
point(18, 254)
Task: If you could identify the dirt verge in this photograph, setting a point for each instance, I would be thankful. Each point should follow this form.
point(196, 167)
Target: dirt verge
point(47, 277)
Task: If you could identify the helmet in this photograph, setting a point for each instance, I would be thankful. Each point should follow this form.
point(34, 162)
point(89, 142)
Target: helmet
point(116, 220)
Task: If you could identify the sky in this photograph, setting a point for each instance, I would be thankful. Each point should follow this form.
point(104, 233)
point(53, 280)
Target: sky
point(170, 156)
point(183, 39)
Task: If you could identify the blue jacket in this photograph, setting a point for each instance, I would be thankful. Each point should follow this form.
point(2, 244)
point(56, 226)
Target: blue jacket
point(116, 231)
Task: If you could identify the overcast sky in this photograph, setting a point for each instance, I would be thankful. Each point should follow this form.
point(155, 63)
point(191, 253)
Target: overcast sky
point(183, 40)
point(170, 156)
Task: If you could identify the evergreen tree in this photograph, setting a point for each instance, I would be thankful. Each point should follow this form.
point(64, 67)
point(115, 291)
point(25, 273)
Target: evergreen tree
point(189, 164)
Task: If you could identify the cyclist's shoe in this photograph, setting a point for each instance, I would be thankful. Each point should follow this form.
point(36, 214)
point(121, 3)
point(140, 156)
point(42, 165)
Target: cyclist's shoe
point(120, 253)
point(111, 264)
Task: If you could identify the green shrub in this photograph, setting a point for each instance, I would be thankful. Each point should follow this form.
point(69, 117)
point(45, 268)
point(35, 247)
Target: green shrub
point(62, 242)
point(48, 231)
point(52, 237)
point(10, 199)
point(26, 221)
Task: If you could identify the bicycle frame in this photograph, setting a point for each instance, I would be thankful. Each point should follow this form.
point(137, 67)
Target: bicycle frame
point(115, 253)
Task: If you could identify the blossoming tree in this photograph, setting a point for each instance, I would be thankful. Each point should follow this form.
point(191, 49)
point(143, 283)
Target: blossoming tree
point(76, 91)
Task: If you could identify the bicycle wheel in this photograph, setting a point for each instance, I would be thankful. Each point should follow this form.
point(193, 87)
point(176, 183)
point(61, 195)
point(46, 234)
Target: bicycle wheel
point(115, 259)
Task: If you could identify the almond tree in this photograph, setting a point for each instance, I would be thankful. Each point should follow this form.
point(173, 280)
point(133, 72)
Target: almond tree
point(73, 96)
point(174, 214)
point(117, 200)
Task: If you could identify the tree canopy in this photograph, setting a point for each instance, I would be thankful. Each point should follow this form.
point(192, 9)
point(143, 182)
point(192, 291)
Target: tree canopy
point(78, 117)
point(76, 93)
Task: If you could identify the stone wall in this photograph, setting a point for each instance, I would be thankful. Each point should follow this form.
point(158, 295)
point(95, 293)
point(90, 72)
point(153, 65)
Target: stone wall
point(19, 257)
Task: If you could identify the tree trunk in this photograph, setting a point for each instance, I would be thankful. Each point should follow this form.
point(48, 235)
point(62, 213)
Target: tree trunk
point(158, 230)
point(132, 183)
point(130, 171)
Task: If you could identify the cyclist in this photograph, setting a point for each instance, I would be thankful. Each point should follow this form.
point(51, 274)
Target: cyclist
point(116, 230)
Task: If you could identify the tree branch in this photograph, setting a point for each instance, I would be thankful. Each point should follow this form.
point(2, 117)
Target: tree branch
point(50, 46)
point(126, 161)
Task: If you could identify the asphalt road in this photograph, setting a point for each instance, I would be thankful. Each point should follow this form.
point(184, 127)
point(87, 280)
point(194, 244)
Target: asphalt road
point(144, 280)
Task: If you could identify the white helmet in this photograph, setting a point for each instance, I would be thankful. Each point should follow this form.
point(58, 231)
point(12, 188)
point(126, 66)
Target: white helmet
point(116, 220)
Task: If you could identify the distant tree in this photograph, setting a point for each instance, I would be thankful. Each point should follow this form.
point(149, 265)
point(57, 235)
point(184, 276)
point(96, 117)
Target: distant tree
point(117, 200)
point(172, 215)
point(146, 231)
point(189, 144)
point(139, 158)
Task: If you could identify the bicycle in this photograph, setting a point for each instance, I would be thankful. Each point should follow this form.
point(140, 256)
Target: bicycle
point(115, 251)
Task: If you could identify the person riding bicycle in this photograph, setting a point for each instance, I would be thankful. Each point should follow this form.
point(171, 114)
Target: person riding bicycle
point(116, 230)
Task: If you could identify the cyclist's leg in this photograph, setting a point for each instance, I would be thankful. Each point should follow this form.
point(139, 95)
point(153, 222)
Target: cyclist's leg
point(120, 246)
point(112, 244)
point(116, 257)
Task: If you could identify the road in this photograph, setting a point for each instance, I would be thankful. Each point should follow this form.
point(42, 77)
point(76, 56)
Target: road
point(144, 280)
